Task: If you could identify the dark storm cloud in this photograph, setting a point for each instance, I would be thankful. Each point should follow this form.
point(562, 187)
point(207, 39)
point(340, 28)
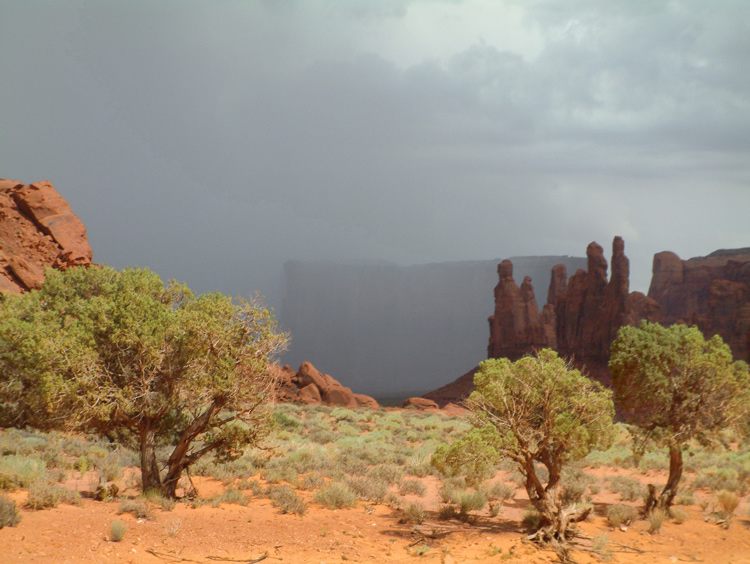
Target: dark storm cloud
point(214, 140)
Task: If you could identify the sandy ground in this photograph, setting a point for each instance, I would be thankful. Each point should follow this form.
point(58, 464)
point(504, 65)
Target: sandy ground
point(367, 533)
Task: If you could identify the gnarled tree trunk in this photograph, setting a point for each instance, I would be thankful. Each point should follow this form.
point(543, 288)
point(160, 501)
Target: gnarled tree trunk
point(666, 498)
point(150, 478)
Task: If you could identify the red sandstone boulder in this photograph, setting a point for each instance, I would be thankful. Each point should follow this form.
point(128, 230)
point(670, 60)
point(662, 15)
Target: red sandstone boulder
point(38, 230)
point(308, 385)
point(420, 403)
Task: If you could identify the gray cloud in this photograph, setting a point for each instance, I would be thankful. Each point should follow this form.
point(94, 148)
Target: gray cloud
point(213, 141)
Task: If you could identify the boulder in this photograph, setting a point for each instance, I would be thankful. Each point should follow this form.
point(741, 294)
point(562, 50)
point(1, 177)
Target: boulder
point(420, 403)
point(310, 386)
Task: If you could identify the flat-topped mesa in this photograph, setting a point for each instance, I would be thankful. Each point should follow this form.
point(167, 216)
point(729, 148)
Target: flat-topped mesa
point(516, 325)
point(38, 230)
point(712, 292)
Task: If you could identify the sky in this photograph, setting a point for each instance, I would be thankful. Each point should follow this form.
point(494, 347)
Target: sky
point(214, 140)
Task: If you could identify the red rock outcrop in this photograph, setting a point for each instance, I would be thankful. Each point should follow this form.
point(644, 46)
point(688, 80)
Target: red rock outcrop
point(420, 403)
point(584, 313)
point(37, 230)
point(711, 292)
point(308, 385)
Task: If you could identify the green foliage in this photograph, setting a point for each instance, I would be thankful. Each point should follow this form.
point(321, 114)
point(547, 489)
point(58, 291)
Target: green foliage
point(675, 385)
point(628, 488)
point(121, 354)
point(117, 530)
point(287, 500)
point(9, 516)
point(230, 495)
point(370, 489)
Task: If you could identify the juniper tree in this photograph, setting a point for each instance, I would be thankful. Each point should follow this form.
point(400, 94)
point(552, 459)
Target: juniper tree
point(674, 385)
point(126, 356)
point(537, 409)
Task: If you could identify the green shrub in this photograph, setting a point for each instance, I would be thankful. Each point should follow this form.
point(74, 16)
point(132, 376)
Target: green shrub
point(44, 494)
point(9, 516)
point(336, 495)
point(20, 471)
point(414, 513)
point(465, 500)
point(137, 507)
point(414, 487)
point(600, 547)
point(117, 530)
point(389, 473)
point(287, 500)
point(619, 514)
point(628, 488)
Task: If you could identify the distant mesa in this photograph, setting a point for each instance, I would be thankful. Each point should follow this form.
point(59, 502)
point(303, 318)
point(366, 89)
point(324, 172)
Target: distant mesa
point(584, 312)
point(310, 386)
point(38, 230)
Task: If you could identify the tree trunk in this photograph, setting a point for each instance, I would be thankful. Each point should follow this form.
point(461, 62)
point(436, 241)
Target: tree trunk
point(667, 495)
point(150, 479)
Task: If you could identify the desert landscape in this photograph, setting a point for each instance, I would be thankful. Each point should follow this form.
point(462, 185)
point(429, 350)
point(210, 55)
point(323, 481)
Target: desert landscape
point(384, 281)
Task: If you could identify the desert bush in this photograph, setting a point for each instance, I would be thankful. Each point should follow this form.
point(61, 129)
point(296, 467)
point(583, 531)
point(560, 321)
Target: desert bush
point(117, 530)
point(628, 488)
point(336, 495)
point(499, 491)
point(619, 514)
point(685, 498)
point(412, 487)
point(285, 421)
point(370, 489)
point(287, 500)
point(44, 495)
point(18, 471)
point(720, 478)
point(655, 519)
point(389, 473)
point(156, 497)
point(9, 516)
point(728, 502)
point(137, 507)
point(414, 513)
point(600, 547)
point(231, 496)
point(464, 500)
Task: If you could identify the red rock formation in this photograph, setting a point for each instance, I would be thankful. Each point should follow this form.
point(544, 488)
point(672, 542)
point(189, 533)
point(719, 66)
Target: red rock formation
point(516, 326)
point(308, 385)
point(711, 292)
point(420, 403)
point(37, 230)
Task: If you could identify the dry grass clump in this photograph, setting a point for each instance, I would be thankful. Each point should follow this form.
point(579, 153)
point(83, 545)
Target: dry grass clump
point(628, 488)
point(232, 496)
point(136, 507)
point(9, 516)
point(655, 520)
point(287, 500)
point(414, 513)
point(413, 487)
point(369, 489)
point(619, 515)
point(336, 495)
point(117, 530)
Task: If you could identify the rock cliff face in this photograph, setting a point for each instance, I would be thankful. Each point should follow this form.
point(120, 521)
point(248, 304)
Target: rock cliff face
point(711, 292)
point(583, 313)
point(37, 230)
point(308, 385)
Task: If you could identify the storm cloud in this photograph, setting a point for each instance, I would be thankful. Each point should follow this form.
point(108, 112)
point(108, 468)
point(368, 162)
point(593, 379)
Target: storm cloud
point(212, 141)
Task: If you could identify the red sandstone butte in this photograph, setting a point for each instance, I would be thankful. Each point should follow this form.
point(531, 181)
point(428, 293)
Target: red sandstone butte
point(38, 230)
